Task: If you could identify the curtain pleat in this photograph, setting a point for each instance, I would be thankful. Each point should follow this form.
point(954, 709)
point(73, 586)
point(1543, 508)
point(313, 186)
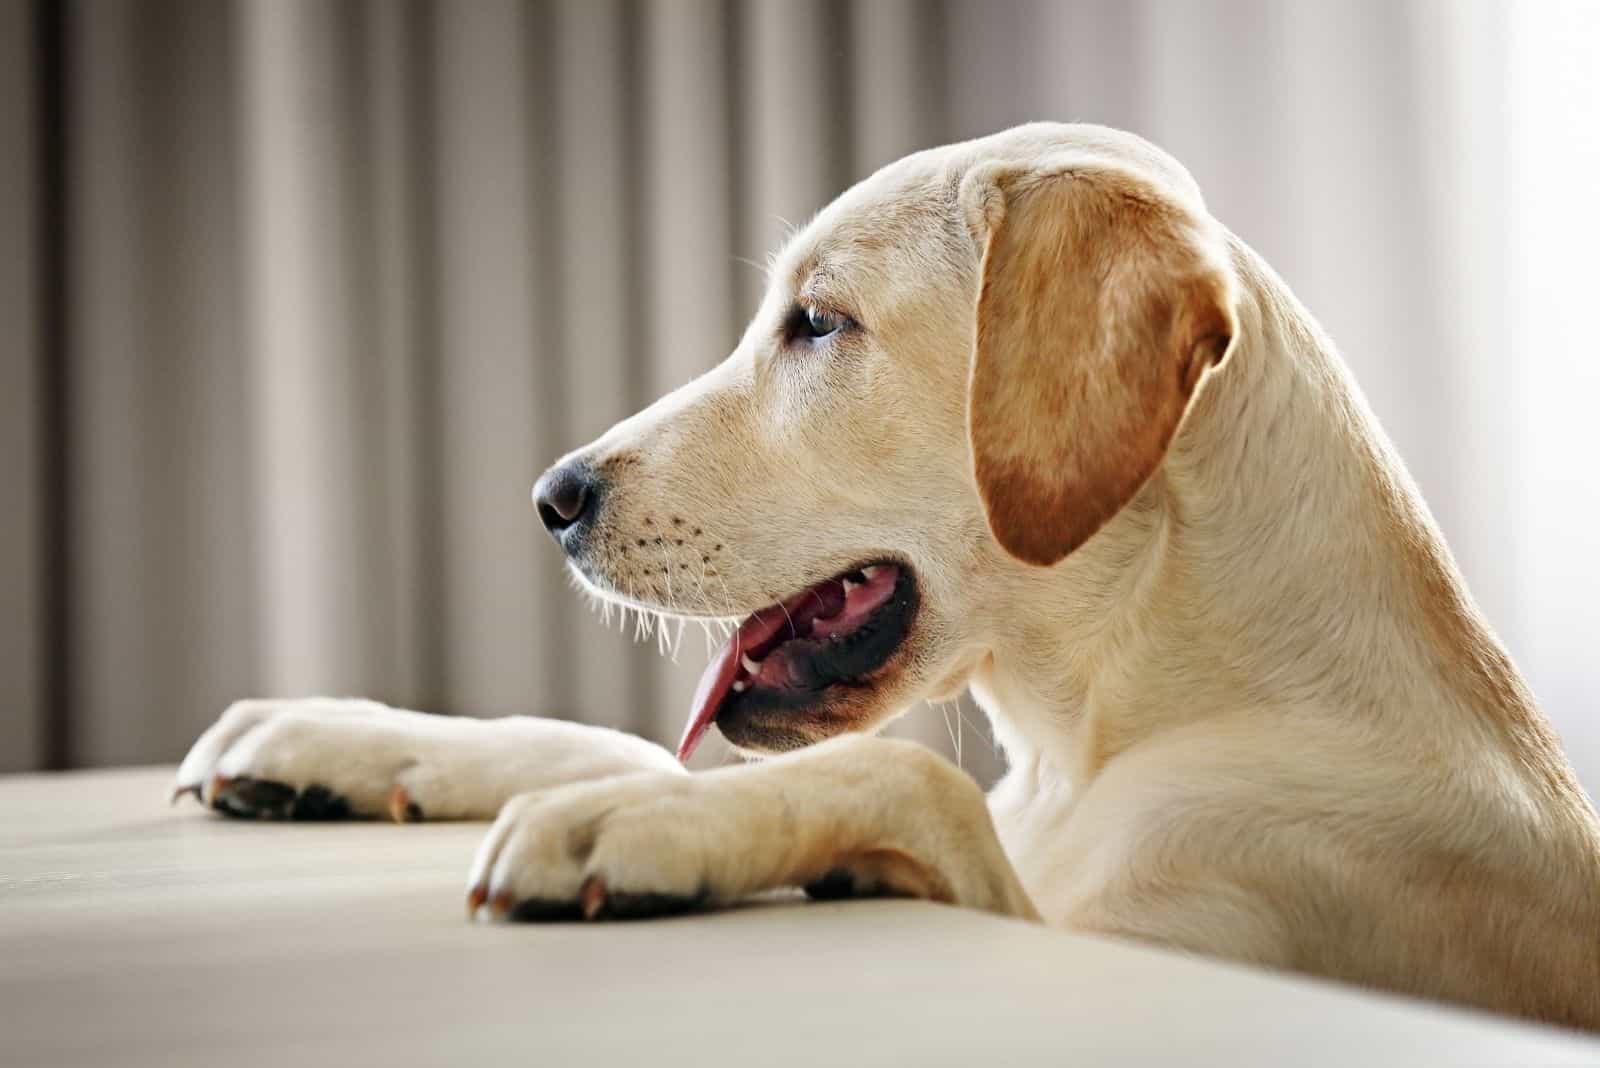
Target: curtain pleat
point(201, 506)
point(314, 373)
point(398, 251)
point(897, 103)
point(115, 563)
point(23, 471)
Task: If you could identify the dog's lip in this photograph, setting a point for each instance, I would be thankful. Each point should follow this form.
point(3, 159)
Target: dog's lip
point(834, 607)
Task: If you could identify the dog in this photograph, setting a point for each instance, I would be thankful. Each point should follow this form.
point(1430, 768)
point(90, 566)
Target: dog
point(1019, 416)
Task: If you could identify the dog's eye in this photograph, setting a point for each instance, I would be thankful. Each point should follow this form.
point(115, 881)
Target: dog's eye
point(821, 323)
point(813, 324)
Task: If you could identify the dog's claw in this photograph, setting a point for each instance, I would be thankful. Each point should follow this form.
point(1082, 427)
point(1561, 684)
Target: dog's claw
point(501, 904)
point(213, 790)
point(475, 899)
point(181, 789)
point(401, 808)
point(592, 897)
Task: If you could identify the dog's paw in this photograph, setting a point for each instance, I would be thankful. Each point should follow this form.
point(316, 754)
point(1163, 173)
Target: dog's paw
point(643, 845)
point(313, 760)
point(319, 759)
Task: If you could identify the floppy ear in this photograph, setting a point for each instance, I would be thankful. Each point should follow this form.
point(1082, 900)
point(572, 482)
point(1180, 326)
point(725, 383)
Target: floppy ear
point(1101, 307)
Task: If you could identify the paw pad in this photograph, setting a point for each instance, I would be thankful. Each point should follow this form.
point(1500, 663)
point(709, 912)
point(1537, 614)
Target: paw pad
point(247, 798)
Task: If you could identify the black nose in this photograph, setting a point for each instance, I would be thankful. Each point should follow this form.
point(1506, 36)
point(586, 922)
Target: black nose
point(565, 497)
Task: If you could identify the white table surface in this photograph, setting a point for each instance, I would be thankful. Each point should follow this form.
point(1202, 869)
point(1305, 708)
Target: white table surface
point(136, 934)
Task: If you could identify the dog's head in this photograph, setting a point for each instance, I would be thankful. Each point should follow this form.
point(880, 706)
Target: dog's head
point(962, 370)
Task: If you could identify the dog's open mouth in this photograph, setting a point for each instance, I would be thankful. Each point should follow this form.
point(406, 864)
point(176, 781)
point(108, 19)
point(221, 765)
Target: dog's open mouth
point(837, 633)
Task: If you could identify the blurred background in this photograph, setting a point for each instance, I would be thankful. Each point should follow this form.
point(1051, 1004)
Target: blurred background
point(298, 298)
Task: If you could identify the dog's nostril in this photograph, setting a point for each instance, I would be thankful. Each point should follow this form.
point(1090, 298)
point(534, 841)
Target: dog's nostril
point(563, 496)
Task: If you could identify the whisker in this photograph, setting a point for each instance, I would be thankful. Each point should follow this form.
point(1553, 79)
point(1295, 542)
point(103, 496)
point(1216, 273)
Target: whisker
point(944, 707)
point(700, 583)
point(727, 598)
point(961, 734)
point(651, 620)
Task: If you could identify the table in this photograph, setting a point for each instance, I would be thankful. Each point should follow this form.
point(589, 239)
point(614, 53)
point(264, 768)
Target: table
point(132, 933)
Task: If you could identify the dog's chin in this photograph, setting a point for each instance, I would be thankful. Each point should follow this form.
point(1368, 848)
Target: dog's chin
point(765, 724)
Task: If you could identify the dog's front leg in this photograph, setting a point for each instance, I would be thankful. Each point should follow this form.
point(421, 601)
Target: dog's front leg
point(853, 816)
point(335, 758)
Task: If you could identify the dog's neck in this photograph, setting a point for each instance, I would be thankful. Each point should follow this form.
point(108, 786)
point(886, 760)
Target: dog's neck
point(1280, 560)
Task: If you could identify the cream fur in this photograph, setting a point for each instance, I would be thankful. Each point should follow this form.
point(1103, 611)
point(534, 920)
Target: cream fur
point(1255, 715)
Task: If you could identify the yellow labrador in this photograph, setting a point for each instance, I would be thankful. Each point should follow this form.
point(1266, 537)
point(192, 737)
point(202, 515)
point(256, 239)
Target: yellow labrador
point(1019, 415)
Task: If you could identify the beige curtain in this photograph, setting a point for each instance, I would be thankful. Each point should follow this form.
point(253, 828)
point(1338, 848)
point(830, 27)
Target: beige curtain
point(300, 296)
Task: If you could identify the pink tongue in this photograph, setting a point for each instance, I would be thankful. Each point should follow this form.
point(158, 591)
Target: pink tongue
point(719, 674)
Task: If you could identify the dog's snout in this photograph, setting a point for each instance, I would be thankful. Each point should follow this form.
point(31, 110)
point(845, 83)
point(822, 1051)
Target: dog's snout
point(566, 497)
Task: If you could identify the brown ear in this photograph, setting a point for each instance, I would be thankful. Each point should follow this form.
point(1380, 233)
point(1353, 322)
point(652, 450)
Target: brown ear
point(1100, 310)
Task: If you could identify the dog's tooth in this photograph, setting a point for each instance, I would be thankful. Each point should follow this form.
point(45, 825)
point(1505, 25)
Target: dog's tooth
point(871, 572)
point(752, 666)
point(738, 687)
point(848, 586)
